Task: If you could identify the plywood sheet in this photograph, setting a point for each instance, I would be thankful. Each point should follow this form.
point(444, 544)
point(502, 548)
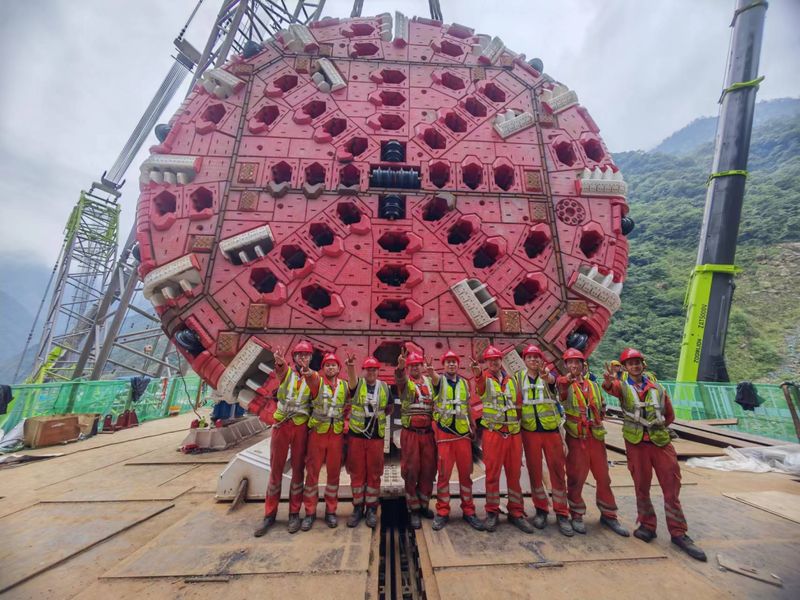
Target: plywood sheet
point(44, 535)
point(211, 542)
point(778, 503)
point(121, 494)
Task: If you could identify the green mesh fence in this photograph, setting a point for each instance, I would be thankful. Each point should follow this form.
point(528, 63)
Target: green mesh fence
point(161, 397)
point(718, 401)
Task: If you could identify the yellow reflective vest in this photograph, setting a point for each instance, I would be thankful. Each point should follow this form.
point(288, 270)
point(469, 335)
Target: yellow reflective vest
point(367, 407)
point(328, 407)
point(452, 405)
point(582, 412)
point(537, 400)
point(294, 399)
point(499, 400)
point(639, 416)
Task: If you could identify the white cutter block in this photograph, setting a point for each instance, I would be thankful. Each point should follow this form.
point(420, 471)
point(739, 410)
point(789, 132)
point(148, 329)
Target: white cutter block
point(385, 20)
point(298, 38)
point(221, 83)
point(170, 168)
point(512, 362)
point(220, 438)
point(492, 51)
point(596, 182)
point(476, 302)
point(595, 286)
point(172, 280)
point(331, 78)
point(400, 29)
point(508, 123)
point(559, 98)
point(233, 385)
point(248, 246)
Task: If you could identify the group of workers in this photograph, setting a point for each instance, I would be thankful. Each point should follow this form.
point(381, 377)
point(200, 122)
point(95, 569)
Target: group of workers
point(535, 411)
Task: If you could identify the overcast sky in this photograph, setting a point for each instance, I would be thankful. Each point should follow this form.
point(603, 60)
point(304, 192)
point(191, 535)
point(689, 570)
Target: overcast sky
point(77, 75)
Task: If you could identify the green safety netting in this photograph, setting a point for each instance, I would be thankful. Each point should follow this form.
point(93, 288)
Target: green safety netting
point(161, 397)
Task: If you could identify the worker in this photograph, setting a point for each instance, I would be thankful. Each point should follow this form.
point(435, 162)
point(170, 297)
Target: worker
point(502, 445)
point(290, 430)
point(369, 405)
point(325, 439)
point(647, 412)
point(616, 369)
point(417, 444)
point(540, 420)
point(453, 432)
point(584, 410)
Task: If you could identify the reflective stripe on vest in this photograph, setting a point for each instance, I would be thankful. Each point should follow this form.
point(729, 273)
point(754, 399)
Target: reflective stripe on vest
point(328, 407)
point(639, 416)
point(423, 403)
point(452, 404)
point(499, 405)
point(537, 401)
point(367, 407)
point(293, 399)
point(583, 413)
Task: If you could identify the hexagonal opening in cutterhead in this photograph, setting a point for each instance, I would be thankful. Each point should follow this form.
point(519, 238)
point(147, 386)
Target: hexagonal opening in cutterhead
point(474, 107)
point(590, 243)
point(356, 145)
point(348, 213)
point(494, 93)
point(486, 255)
point(439, 174)
point(213, 113)
point(361, 29)
point(472, 175)
point(580, 338)
point(294, 257)
point(316, 296)
point(201, 199)
point(365, 48)
point(315, 108)
point(393, 275)
point(285, 82)
point(321, 234)
point(335, 126)
point(526, 292)
point(263, 280)
point(267, 114)
point(451, 49)
point(435, 209)
point(453, 82)
point(565, 153)
point(349, 175)
point(165, 203)
point(536, 243)
point(434, 139)
point(388, 352)
point(460, 232)
point(391, 121)
point(394, 241)
point(315, 174)
point(282, 172)
point(593, 149)
point(454, 122)
point(393, 311)
point(504, 176)
point(390, 98)
point(392, 76)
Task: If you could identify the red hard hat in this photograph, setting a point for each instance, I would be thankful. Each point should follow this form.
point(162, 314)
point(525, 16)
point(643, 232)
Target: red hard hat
point(532, 349)
point(414, 359)
point(630, 353)
point(302, 347)
point(451, 355)
point(370, 363)
point(330, 357)
point(492, 352)
point(573, 353)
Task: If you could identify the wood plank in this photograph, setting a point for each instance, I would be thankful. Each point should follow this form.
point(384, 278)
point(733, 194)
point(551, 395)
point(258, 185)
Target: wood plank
point(684, 448)
point(728, 563)
point(712, 422)
point(777, 503)
point(714, 435)
point(45, 535)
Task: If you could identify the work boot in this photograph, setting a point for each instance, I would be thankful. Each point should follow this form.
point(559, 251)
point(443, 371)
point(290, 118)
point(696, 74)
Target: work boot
point(686, 544)
point(473, 522)
point(294, 523)
point(645, 534)
point(564, 526)
point(540, 519)
point(372, 516)
point(330, 520)
point(439, 522)
point(265, 525)
point(426, 512)
point(414, 520)
point(355, 518)
point(308, 522)
point(615, 526)
point(490, 524)
point(521, 523)
point(578, 526)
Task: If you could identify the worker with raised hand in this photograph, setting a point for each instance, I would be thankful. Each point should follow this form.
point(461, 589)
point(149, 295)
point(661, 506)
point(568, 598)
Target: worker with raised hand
point(540, 419)
point(369, 406)
point(584, 410)
point(502, 444)
point(453, 431)
point(417, 444)
point(647, 412)
point(289, 431)
point(325, 439)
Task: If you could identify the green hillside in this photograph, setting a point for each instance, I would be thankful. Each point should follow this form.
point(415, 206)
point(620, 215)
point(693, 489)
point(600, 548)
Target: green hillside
point(667, 196)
